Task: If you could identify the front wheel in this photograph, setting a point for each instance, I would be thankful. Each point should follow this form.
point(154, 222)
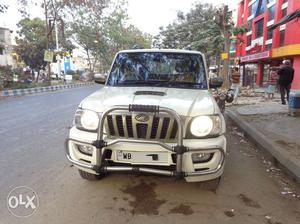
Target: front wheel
point(90, 176)
point(210, 185)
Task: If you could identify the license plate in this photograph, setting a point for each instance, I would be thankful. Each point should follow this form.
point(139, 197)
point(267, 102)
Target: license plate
point(142, 157)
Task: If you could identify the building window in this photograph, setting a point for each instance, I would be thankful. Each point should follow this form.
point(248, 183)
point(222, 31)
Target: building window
point(250, 10)
point(1, 50)
point(258, 7)
point(284, 1)
point(284, 12)
point(259, 27)
point(249, 39)
point(249, 25)
point(271, 13)
point(268, 47)
point(270, 34)
point(282, 36)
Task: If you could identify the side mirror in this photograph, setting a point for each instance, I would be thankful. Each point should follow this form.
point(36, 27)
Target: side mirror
point(216, 82)
point(100, 81)
point(100, 78)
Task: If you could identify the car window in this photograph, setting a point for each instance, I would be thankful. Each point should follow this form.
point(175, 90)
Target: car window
point(158, 68)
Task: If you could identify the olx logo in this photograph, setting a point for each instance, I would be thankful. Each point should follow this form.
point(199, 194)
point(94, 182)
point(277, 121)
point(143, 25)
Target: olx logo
point(22, 201)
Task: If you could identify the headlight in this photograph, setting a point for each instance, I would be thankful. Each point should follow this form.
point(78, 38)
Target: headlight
point(202, 126)
point(86, 119)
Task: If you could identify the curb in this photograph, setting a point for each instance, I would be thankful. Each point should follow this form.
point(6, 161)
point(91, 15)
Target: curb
point(30, 91)
point(288, 162)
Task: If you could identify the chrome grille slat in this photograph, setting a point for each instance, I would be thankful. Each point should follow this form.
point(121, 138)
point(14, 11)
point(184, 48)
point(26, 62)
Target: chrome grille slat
point(158, 127)
point(125, 127)
point(115, 125)
point(170, 128)
point(149, 129)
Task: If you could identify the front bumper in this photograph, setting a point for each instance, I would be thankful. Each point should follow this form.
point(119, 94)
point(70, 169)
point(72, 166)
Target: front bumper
point(183, 150)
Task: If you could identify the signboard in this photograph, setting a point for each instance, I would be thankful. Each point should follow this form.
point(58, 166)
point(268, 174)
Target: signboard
point(67, 64)
point(48, 56)
point(254, 57)
point(224, 56)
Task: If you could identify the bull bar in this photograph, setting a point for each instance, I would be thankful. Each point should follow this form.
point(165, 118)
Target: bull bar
point(100, 144)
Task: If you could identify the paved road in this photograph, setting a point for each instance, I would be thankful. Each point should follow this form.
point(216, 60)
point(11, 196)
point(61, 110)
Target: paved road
point(33, 129)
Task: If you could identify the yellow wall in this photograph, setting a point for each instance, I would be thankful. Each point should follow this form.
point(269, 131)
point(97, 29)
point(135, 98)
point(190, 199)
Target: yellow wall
point(288, 50)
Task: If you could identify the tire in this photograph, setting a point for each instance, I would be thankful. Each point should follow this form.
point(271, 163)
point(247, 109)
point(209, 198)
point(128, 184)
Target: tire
point(90, 176)
point(210, 185)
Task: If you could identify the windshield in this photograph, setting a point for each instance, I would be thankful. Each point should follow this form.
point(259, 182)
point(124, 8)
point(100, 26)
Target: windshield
point(178, 70)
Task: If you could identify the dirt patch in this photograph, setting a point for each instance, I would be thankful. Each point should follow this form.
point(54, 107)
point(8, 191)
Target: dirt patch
point(122, 210)
point(145, 199)
point(248, 201)
point(288, 144)
point(229, 213)
point(182, 209)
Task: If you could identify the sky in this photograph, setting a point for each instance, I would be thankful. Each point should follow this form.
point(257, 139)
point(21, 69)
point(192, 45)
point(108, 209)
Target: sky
point(147, 15)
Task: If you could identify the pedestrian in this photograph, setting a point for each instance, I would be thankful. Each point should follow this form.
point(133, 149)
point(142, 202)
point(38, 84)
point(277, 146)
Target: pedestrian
point(235, 79)
point(272, 82)
point(286, 76)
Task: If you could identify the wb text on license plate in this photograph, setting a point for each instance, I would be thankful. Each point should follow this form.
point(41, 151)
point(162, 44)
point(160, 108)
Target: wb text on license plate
point(142, 156)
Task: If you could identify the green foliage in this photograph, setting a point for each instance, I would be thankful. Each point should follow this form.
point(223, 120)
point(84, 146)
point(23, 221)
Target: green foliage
point(196, 30)
point(23, 85)
point(204, 28)
point(75, 74)
point(3, 8)
point(31, 42)
point(103, 36)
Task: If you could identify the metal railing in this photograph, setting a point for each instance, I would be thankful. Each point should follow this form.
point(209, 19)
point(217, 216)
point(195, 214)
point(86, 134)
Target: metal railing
point(100, 144)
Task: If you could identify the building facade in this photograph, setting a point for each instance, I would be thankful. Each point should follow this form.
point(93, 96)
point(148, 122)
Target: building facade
point(271, 38)
point(5, 47)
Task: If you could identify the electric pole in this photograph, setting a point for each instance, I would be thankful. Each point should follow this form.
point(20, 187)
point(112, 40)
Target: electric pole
point(47, 39)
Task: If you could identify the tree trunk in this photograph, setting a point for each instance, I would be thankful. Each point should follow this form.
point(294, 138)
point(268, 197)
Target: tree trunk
point(89, 59)
point(38, 76)
point(225, 69)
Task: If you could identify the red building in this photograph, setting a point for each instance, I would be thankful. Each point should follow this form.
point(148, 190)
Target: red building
point(273, 35)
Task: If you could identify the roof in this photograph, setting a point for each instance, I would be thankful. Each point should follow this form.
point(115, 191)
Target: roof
point(161, 50)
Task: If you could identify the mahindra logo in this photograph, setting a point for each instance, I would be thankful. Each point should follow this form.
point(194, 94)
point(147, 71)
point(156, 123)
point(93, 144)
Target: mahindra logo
point(142, 118)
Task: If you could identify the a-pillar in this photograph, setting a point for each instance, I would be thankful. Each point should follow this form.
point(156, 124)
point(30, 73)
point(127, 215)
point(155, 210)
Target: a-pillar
point(260, 74)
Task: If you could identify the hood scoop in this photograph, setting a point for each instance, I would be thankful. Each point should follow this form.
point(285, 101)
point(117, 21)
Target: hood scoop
point(155, 93)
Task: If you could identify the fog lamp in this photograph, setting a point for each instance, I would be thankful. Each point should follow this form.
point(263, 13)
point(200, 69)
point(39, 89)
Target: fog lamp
point(201, 157)
point(86, 149)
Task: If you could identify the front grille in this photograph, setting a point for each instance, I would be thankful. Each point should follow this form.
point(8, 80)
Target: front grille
point(156, 128)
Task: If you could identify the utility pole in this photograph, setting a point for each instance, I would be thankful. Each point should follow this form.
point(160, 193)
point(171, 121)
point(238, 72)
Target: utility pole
point(47, 39)
point(58, 58)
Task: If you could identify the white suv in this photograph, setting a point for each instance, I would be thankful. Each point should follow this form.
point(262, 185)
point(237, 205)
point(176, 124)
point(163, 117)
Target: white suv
point(155, 115)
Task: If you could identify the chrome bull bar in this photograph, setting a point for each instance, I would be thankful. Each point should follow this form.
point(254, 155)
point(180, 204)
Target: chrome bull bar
point(100, 144)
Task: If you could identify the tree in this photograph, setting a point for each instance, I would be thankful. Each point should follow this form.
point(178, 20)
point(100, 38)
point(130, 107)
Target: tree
point(3, 8)
point(31, 42)
point(205, 28)
point(195, 30)
point(102, 37)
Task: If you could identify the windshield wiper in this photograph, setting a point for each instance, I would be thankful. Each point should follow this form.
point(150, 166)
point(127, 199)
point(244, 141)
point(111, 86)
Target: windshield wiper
point(136, 82)
point(180, 84)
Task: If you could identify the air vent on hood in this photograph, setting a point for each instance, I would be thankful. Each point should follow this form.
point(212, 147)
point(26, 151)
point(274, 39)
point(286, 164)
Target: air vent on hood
point(150, 93)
